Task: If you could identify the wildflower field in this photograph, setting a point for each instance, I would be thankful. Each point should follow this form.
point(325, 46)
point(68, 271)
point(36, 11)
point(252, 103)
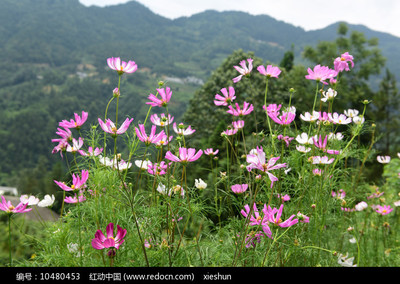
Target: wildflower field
point(289, 195)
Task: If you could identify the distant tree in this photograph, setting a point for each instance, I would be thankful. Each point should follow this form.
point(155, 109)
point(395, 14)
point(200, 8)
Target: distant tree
point(386, 103)
point(287, 61)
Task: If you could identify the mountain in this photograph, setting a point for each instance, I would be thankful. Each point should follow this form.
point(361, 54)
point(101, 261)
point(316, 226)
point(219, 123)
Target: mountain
point(53, 62)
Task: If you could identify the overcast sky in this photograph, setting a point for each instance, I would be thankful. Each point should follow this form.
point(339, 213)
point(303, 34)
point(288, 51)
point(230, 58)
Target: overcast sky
point(379, 15)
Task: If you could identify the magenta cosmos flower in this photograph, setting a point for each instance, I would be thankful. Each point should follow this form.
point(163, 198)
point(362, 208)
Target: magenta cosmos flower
point(7, 207)
point(247, 108)
point(271, 71)
point(256, 160)
point(243, 70)
point(77, 123)
point(165, 97)
point(274, 217)
point(228, 97)
point(256, 219)
point(153, 138)
point(342, 63)
point(157, 168)
point(383, 210)
point(110, 127)
point(121, 67)
point(101, 241)
point(185, 155)
point(320, 74)
point(77, 182)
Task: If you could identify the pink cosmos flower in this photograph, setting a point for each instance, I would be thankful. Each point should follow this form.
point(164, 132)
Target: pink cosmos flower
point(226, 99)
point(7, 207)
point(342, 63)
point(162, 120)
point(341, 194)
point(256, 219)
point(165, 97)
point(247, 108)
point(383, 210)
point(322, 145)
point(157, 169)
point(92, 153)
point(121, 67)
point(78, 183)
point(276, 219)
point(376, 194)
point(284, 198)
point(302, 218)
point(286, 139)
point(110, 127)
point(61, 147)
point(320, 74)
point(75, 199)
point(272, 108)
point(77, 123)
point(65, 134)
point(243, 70)
point(210, 151)
point(185, 155)
point(180, 129)
point(238, 124)
point(101, 241)
point(271, 71)
point(285, 119)
point(256, 160)
point(153, 138)
point(163, 141)
point(239, 188)
point(230, 131)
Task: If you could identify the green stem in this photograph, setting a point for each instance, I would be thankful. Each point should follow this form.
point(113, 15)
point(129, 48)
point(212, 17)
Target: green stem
point(9, 237)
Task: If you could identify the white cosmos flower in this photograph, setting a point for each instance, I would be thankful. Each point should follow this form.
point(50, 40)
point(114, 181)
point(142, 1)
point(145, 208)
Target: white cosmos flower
point(361, 206)
point(47, 201)
point(143, 164)
point(383, 159)
point(328, 95)
point(351, 113)
point(346, 261)
point(303, 139)
point(359, 119)
point(31, 200)
point(200, 184)
point(310, 117)
point(303, 149)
